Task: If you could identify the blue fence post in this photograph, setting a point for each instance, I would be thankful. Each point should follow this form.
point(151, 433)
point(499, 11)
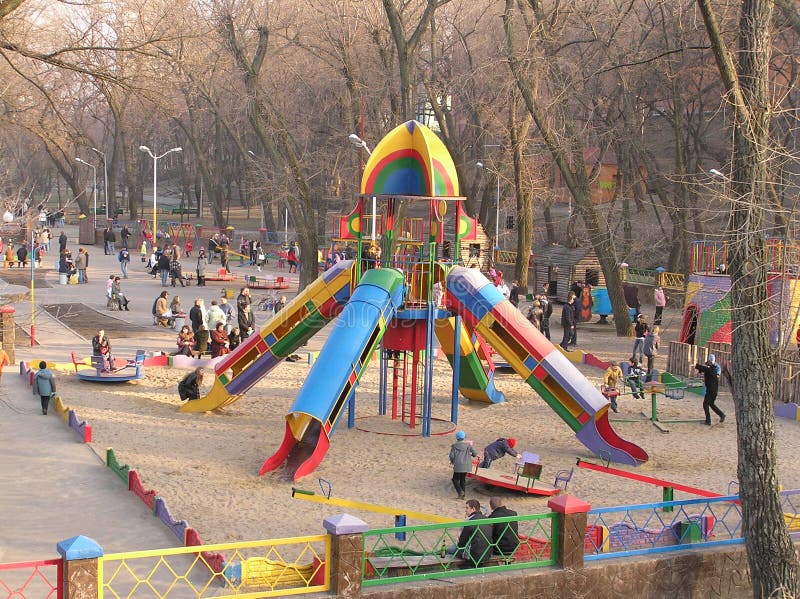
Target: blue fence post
point(80, 555)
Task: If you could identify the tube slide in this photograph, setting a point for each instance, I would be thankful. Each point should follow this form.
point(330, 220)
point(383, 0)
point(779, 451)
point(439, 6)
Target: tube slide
point(474, 383)
point(302, 317)
point(536, 360)
point(336, 372)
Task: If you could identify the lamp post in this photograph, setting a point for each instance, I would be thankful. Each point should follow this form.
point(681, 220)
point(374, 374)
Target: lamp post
point(362, 145)
point(94, 193)
point(105, 179)
point(497, 205)
point(156, 158)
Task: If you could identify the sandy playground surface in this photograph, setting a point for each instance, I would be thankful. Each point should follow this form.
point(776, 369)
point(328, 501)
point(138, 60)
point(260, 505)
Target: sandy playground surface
point(206, 466)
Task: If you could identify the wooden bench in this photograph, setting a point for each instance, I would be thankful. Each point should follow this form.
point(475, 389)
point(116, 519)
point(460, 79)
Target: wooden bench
point(179, 210)
point(407, 565)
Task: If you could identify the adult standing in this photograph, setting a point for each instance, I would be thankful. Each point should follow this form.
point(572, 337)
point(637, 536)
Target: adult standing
point(197, 315)
point(660, 301)
point(547, 310)
point(640, 331)
point(201, 267)
point(44, 385)
point(711, 372)
point(651, 343)
point(243, 298)
point(107, 241)
point(514, 294)
point(461, 454)
point(505, 535)
point(247, 321)
point(163, 267)
point(176, 269)
point(124, 258)
point(62, 243)
point(125, 234)
point(223, 257)
point(82, 264)
point(214, 317)
point(22, 256)
point(568, 321)
point(230, 317)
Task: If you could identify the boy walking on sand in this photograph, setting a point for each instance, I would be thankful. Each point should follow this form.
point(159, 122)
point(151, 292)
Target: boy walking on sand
point(461, 454)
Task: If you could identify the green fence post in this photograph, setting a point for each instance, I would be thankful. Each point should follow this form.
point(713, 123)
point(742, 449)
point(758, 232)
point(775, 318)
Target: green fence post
point(668, 494)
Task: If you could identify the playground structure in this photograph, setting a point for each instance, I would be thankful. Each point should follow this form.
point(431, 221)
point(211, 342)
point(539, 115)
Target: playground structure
point(527, 469)
point(707, 307)
point(395, 305)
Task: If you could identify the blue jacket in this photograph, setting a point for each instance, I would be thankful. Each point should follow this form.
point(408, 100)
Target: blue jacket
point(44, 383)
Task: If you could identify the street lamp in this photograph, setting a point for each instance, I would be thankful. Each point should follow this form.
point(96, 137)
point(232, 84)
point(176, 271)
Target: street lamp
point(497, 205)
point(362, 145)
point(94, 192)
point(359, 143)
point(155, 158)
point(105, 178)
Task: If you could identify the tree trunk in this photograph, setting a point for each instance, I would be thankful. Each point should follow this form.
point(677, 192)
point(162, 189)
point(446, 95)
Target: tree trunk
point(771, 554)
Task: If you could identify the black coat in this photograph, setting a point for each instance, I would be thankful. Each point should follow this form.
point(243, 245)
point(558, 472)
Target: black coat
point(568, 315)
point(710, 377)
point(196, 318)
point(505, 535)
point(474, 542)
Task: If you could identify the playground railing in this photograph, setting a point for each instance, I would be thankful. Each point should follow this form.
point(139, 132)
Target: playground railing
point(32, 580)
point(661, 527)
point(645, 276)
point(271, 568)
point(407, 553)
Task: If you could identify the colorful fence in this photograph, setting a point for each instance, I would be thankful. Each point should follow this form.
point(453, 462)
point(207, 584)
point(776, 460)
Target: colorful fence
point(273, 568)
point(32, 580)
point(432, 550)
point(666, 526)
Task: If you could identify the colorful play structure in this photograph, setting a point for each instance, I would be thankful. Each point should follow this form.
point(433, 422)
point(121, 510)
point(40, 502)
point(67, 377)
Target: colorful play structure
point(707, 308)
point(394, 309)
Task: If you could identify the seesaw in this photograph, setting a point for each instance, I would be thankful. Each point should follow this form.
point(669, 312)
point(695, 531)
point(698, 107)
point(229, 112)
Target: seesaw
point(529, 469)
point(130, 371)
point(368, 507)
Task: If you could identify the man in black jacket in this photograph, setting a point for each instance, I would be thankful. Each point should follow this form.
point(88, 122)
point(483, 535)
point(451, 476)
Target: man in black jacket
point(505, 535)
point(711, 372)
point(568, 321)
point(474, 541)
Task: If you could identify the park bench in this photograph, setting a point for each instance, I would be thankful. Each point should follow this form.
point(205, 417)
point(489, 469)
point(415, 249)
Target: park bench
point(407, 565)
point(185, 210)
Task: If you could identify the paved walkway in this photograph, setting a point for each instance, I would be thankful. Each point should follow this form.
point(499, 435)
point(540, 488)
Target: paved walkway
point(53, 486)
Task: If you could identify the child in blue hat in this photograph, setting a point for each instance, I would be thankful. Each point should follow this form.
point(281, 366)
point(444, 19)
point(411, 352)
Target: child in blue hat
point(461, 454)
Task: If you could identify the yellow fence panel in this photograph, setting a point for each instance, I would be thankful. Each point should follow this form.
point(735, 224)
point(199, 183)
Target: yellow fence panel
point(272, 568)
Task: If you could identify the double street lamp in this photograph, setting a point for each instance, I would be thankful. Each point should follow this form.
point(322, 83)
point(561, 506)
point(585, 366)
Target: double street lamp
point(105, 178)
point(497, 204)
point(362, 145)
point(94, 192)
point(156, 158)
